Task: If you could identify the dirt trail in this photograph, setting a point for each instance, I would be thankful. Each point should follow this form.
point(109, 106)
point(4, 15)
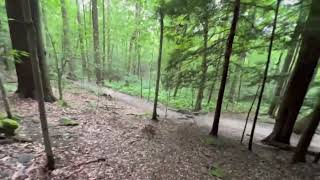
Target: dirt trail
point(230, 125)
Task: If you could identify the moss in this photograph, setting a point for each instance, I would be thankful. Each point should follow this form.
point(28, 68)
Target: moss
point(216, 172)
point(68, 122)
point(8, 126)
point(63, 103)
point(212, 141)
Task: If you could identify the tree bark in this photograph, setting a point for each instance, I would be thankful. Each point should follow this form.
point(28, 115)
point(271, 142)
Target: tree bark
point(305, 140)
point(36, 15)
point(31, 36)
point(109, 49)
point(228, 53)
point(300, 79)
point(66, 46)
point(154, 114)
point(204, 66)
point(81, 40)
point(5, 98)
point(96, 43)
point(18, 34)
point(285, 67)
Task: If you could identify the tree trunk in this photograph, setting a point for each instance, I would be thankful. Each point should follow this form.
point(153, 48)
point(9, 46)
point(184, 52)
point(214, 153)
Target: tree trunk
point(31, 37)
point(109, 49)
point(300, 79)
point(26, 87)
point(265, 76)
point(86, 40)
point(236, 79)
point(81, 40)
point(5, 98)
point(96, 43)
point(36, 15)
point(155, 115)
point(302, 124)
point(285, 67)
point(228, 53)
point(66, 46)
point(204, 66)
point(305, 140)
point(104, 40)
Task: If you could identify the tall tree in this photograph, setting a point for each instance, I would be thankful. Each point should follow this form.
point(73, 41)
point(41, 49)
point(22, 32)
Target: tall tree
point(300, 79)
point(287, 62)
point(104, 21)
point(31, 37)
point(155, 105)
point(108, 36)
point(26, 86)
point(227, 56)
point(66, 46)
point(81, 40)
point(96, 44)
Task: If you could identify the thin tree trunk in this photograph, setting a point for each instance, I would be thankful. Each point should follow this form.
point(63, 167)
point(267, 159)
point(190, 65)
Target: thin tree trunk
point(104, 40)
point(300, 79)
point(150, 78)
point(154, 114)
point(86, 41)
point(248, 115)
point(5, 98)
point(81, 40)
point(31, 39)
point(228, 53)
point(96, 43)
point(109, 49)
point(265, 76)
point(204, 66)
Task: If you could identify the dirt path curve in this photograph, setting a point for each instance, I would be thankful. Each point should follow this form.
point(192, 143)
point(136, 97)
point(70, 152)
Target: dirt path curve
point(230, 126)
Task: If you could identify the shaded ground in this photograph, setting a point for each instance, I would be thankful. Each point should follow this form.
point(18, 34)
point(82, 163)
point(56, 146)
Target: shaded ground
point(116, 140)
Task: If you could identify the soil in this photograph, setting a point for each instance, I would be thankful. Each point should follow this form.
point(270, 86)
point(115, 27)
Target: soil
point(116, 139)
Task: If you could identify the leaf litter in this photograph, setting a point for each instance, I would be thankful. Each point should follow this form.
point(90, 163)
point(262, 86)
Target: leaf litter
point(114, 141)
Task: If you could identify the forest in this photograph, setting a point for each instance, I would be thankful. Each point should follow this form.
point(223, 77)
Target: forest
point(159, 89)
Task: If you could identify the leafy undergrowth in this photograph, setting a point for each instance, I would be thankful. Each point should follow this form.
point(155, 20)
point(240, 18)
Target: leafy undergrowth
point(117, 141)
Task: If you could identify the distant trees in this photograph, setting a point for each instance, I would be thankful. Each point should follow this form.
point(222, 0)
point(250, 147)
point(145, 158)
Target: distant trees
point(204, 65)
point(81, 39)
point(300, 79)
point(26, 86)
point(66, 45)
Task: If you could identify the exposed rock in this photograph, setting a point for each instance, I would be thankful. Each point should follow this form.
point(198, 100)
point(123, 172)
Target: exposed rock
point(25, 158)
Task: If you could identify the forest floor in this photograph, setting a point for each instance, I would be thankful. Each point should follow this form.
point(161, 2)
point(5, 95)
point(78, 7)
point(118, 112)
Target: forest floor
point(116, 139)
